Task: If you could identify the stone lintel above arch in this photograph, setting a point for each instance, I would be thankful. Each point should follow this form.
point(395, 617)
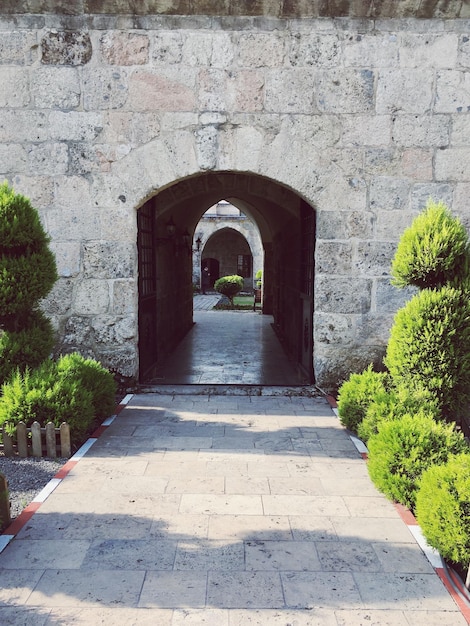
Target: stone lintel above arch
point(283, 9)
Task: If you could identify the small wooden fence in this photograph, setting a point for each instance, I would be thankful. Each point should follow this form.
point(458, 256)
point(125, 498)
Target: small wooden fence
point(37, 441)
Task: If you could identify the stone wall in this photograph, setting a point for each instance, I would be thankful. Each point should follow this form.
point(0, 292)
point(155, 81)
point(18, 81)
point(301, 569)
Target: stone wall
point(363, 118)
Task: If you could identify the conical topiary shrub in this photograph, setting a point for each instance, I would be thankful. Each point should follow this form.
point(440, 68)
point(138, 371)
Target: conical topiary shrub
point(27, 274)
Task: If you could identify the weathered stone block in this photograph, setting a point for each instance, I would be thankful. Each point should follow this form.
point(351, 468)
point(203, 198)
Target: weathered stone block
point(331, 329)
point(407, 91)
point(460, 203)
point(333, 257)
point(261, 50)
point(345, 91)
point(18, 48)
point(364, 130)
point(223, 50)
point(123, 48)
point(314, 49)
point(104, 88)
point(77, 331)
point(48, 158)
point(108, 260)
point(39, 189)
point(371, 49)
point(167, 47)
point(422, 192)
point(417, 164)
point(59, 299)
point(460, 135)
point(290, 91)
point(428, 50)
point(91, 297)
point(55, 88)
point(382, 161)
point(197, 49)
point(114, 330)
point(464, 51)
point(123, 297)
point(75, 125)
point(342, 295)
point(389, 193)
point(389, 299)
point(421, 130)
point(374, 329)
point(391, 224)
point(452, 92)
point(162, 90)
point(247, 87)
point(13, 159)
point(67, 255)
point(453, 164)
point(15, 87)
point(66, 48)
point(344, 224)
point(341, 194)
point(118, 224)
point(373, 258)
point(23, 125)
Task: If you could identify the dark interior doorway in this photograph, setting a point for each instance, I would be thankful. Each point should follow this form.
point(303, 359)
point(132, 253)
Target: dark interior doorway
point(209, 273)
point(165, 230)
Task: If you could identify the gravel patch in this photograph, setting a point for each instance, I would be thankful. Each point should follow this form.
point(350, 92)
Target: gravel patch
point(26, 478)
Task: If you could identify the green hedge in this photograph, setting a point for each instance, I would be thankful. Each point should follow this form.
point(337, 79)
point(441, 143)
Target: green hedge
point(443, 508)
point(404, 448)
point(356, 394)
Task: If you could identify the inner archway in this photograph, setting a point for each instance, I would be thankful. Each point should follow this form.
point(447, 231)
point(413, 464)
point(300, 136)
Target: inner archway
point(166, 225)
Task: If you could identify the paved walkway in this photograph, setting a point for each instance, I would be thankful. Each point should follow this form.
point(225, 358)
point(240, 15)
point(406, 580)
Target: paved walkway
point(228, 347)
point(220, 510)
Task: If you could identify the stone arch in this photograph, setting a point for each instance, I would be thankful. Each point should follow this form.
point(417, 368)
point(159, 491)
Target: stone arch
point(281, 216)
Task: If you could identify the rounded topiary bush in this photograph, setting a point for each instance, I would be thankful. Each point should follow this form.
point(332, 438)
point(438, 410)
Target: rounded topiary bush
point(404, 448)
point(433, 251)
point(356, 394)
point(429, 347)
point(43, 395)
point(229, 286)
point(392, 404)
point(443, 508)
point(94, 378)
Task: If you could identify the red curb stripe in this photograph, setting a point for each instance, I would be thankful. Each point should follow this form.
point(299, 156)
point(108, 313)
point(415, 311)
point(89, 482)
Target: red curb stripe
point(365, 456)
point(22, 519)
point(463, 606)
point(332, 402)
point(406, 515)
point(99, 431)
point(65, 469)
point(119, 408)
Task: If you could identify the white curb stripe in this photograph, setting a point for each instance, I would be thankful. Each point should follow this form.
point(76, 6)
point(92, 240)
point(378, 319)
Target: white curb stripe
point(109, 421)
point(127, 398)
point(5, 540)
point(48, 489)
point(84, 449)
point(433, 555)
point(361, 447)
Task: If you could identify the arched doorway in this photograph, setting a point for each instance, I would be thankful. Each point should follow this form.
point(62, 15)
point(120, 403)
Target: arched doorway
point(287, 228)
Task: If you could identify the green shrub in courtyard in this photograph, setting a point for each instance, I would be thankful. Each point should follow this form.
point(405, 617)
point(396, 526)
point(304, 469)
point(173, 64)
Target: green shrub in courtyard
point(229, 286)
point(44, 396)
point(392, 404)
point(404, 448)
point(433, 251)
point(429, 347)
point(94, 378)
point(355, 395)
point(443, 508)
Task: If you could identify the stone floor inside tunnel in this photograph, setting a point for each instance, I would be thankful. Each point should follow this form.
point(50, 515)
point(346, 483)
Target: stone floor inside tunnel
point(230, 348)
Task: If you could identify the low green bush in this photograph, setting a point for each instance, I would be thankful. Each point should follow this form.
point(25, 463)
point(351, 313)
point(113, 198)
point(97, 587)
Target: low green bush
point(443, 508)
point(429, 347)
point(433, 251)
point(403, 448)
point(356, 394)
point(392, 404)
point(94, 378)
point(44, 396)
point(28, 346)
point(229, 286)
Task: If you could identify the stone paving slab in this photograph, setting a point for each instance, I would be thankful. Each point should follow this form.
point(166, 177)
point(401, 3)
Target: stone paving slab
point(163, 522)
